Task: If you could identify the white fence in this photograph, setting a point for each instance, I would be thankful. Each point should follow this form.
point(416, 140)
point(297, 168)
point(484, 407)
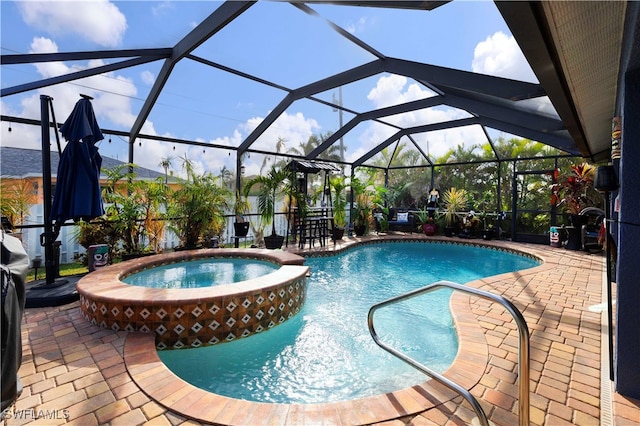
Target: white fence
point(70, 248)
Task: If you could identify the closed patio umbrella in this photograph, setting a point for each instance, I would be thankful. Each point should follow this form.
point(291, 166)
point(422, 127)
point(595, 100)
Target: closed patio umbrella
point(77, 192)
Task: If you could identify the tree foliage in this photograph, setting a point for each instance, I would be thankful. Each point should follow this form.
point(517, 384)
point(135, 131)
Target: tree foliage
point(196, 209)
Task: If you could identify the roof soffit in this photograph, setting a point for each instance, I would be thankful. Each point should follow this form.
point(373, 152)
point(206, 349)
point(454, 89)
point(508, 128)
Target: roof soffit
point(574, 50)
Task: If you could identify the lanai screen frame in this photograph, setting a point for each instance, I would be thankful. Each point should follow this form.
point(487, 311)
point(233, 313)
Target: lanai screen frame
point(490, 101)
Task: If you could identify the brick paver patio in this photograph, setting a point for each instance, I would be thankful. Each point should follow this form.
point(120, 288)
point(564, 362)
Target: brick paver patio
point(74, 372)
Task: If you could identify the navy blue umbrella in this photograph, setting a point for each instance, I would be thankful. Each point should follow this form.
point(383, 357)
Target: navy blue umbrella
point(77, 193)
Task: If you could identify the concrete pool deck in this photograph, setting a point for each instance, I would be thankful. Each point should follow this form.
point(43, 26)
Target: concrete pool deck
point(75, 372)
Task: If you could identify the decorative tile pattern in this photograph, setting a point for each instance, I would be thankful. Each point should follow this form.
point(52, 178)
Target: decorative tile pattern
point(189, 318)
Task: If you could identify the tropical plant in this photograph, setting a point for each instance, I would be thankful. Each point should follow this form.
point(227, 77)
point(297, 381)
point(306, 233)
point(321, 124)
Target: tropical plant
point(16, 197)
point(241, 206)
point(153, 196)
point(364, 193)
point(133, 222)
point(132, 208)
point(197, 208)
point(423, 216)
point(99, 231)
point(338, 186)
point(574, 191)
point(278, 182)
point(399, 195)
point(455, 202)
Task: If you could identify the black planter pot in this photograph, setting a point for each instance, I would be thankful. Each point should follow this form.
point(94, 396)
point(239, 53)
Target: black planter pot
point(449, 231)
point(241, 229)
point(337, 233)
point(577, 220)
point(359, 230)
point(488, 234)
point(274, 241)
point(574, 238)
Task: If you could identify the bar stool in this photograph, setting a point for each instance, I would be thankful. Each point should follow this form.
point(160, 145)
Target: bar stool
point(314, 232)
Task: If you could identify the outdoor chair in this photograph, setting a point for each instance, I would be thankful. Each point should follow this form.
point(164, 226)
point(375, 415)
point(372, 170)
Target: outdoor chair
point(401, 220)
point(592, 222)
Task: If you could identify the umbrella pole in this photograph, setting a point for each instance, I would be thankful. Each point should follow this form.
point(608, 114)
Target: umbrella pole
point(47, 239)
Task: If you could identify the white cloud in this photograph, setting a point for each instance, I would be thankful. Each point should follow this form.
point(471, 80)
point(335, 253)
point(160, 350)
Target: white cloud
point(163, 8)
point(500, 55)
point(112, 102)
point(293, 128)
point(99, 21)
point(148, 77)
point(359, 26)
point(396, 89)
point(388, 91)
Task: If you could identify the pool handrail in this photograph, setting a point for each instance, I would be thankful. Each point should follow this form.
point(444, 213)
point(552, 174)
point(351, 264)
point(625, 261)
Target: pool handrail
point(523, 347)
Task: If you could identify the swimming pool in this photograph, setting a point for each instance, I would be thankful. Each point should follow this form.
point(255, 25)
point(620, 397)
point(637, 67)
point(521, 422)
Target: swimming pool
point(201, 273)
point(325, 352)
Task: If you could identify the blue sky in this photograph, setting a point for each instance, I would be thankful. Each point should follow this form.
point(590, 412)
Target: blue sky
point(272, 40)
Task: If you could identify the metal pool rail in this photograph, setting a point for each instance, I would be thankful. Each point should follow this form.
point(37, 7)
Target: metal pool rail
point(523, 350)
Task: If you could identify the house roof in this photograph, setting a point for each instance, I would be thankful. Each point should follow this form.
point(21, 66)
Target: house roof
point(21, 163)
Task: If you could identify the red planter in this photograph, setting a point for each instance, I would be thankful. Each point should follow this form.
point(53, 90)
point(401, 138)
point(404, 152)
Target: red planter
point(429, 229)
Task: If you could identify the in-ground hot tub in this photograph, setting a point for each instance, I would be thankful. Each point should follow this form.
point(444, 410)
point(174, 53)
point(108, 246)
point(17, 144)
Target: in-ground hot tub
point(195, 316)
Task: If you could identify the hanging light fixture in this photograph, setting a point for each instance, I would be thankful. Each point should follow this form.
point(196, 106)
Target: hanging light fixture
point(606, 179)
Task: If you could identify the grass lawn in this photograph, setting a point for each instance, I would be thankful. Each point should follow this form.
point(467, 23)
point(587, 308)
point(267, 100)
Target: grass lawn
point(65, 271)
point(78, 268)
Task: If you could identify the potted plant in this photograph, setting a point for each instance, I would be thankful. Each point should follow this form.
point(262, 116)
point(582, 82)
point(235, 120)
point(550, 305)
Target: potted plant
point(278, 182)
point(454, 203)
point(240, 209)
point(427, 223)
point(488, 231)
point(338, 186)
point(364, 194)
point(197, 208)
point(574, 192)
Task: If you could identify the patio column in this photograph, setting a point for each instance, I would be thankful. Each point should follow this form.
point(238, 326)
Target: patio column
point(627, 368)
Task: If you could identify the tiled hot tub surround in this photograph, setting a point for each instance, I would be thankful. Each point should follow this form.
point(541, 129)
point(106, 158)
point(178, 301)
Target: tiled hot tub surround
point(195, 316)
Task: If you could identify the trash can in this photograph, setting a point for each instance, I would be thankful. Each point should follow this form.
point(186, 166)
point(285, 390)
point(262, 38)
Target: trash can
point(98, 256)
point(554, 237)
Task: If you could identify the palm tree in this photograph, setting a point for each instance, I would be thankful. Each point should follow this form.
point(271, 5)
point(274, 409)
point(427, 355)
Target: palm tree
point(197, 207)
point(278, 182)
point(165, 163)
point(280, 144)
point(226, 176)
point(305, 147)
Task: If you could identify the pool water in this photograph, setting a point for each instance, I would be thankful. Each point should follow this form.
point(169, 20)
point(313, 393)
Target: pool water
point(326, 353)
point(201, 273)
